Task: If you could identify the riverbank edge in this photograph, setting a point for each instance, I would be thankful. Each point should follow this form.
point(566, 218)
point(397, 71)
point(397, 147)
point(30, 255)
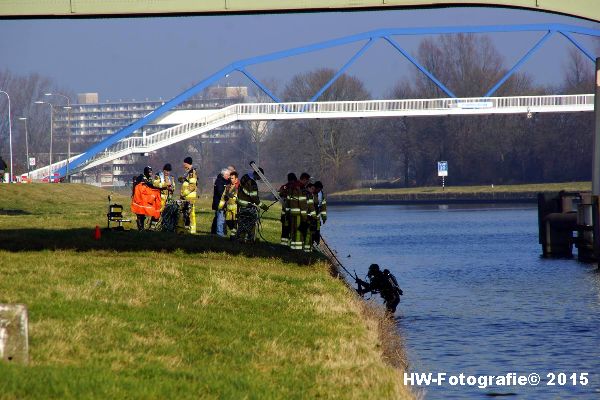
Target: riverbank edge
point(434, 198)
point(392, 343)
point(372, 317)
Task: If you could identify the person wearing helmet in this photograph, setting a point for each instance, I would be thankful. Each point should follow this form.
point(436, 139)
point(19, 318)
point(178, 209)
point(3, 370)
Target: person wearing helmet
point(384, 283)
point(188, 193)
point(284, 192)
point(321, 207)
point(248, 203)
point(165, 182)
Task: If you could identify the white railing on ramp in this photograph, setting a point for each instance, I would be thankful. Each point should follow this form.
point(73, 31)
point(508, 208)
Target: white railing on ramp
point(336, 109)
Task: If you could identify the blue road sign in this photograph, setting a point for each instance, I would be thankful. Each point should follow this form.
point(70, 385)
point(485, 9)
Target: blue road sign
point(442, 168)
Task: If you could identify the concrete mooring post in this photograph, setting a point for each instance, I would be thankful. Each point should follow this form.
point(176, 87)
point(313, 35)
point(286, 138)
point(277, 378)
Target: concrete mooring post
point(14, 337)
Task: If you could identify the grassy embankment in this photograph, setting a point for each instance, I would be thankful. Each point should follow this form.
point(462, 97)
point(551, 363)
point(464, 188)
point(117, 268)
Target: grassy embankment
point(528, 188)
point(151, 315)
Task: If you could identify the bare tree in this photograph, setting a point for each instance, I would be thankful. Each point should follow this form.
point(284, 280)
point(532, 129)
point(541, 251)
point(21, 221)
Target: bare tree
point(327, 148)
point(258, 130)
point(578, 73)
point(24, 90)
point(467, 64)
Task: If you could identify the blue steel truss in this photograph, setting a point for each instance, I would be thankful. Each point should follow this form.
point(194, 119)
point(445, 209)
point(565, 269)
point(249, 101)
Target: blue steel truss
point(370, 37)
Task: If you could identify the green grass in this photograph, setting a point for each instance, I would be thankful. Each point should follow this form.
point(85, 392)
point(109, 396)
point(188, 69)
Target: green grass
point(534, 188)
point(151, 315)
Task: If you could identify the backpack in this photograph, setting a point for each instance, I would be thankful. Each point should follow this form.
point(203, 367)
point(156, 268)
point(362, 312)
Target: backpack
point(392, 282)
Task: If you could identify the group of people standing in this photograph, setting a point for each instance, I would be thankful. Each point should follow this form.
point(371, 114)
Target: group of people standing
point(303, 212)
point(235, 203)
point(224, 203)
point(154, 195)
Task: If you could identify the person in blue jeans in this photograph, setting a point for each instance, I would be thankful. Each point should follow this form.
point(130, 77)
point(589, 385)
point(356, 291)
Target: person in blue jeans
point(218, 225)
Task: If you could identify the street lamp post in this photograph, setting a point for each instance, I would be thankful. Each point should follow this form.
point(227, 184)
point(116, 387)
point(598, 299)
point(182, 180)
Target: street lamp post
point(68, 108)
point(24, 119)
point(51, 123)
point(9, 138)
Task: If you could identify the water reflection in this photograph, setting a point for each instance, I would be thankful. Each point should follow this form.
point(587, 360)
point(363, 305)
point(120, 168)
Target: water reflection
point(478, 297)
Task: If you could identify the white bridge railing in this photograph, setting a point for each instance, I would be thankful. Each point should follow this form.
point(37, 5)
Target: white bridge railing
point(337, 109)
point(369, 108)
point(45, 172)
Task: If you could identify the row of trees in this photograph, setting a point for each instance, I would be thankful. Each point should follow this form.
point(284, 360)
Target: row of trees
point(486, 149)
point(24, 90)
point(343, 152)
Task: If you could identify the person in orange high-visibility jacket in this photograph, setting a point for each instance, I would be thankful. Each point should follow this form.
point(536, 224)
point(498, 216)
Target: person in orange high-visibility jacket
point(145, 200)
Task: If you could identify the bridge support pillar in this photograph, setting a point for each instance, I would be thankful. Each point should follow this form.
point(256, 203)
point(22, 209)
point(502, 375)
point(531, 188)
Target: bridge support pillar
point(596, 226)
point(596, 161)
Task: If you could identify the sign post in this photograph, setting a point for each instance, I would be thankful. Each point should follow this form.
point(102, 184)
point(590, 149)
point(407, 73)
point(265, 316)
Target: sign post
point(443, 171)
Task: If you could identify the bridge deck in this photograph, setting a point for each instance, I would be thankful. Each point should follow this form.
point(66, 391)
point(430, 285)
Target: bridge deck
point(324, 110)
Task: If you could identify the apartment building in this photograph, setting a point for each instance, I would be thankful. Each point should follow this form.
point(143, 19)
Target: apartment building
point(90, 121)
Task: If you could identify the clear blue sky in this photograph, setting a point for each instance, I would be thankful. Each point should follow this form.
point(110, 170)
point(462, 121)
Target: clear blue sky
point(159, 57)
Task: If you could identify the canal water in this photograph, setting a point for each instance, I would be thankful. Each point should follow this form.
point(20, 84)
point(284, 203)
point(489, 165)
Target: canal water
point(478, 298)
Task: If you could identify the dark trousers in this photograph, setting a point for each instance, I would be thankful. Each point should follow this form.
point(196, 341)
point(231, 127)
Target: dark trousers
point(232, 226)
point(296, 237)
point(141, 222)
point(247, 217)
point(391, 302)
point(285, 230)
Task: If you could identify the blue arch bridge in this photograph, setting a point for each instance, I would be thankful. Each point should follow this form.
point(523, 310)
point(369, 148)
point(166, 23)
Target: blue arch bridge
point(126, 142)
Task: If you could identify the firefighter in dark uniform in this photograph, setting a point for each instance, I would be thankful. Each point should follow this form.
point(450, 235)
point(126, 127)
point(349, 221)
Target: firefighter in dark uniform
point(248, 203)
point(383, 283)
point(284, 192)
point(321, 208)
point(296, 211)
point(311, 217)
point(301, 206)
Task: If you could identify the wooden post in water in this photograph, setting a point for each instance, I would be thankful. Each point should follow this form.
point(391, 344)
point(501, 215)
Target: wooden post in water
point(596, 162)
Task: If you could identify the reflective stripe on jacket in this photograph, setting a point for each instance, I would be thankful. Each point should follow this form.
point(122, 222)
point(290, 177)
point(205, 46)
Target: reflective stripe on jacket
point(146, 201)
point(229, 202)
point(188, 187)
point(248, 192)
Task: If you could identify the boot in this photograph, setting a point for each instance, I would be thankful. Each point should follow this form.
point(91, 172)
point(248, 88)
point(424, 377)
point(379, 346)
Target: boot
point(140, 222)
